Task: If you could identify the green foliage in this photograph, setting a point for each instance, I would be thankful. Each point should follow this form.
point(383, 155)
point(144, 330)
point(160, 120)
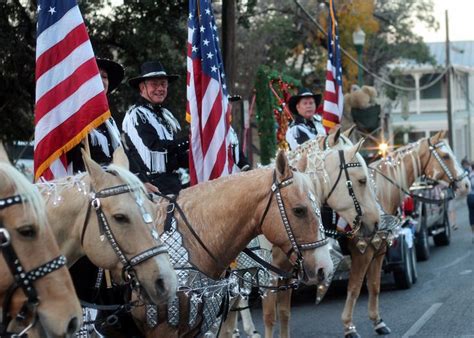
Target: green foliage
point(266, 102)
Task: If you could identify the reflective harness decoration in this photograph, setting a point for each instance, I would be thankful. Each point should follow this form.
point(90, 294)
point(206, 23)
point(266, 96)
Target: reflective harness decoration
point(22, 278)
point(128, 271)
point(343, 168)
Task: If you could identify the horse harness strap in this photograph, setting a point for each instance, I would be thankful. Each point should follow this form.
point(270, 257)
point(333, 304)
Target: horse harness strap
point(106, 231)
point(23, 279)
point(432, 148)
point(343, 167)
point(170, 209)
point(414, 196)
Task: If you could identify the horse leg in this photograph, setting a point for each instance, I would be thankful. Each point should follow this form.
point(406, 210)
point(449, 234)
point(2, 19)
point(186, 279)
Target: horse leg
point(229, 328)
point(359, 265)
point(269, 313)
point(247, 322)
point(284, 312)
point(373, 285)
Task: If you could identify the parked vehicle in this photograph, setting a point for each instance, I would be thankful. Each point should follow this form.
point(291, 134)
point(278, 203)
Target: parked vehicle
point(433, 217)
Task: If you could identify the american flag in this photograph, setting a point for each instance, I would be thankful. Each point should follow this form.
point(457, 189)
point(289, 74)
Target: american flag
point(333, 97)
point(70, 97)
point(210, 154)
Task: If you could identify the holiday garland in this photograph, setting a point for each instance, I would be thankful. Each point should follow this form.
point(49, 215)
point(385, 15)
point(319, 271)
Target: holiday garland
point(272, 120)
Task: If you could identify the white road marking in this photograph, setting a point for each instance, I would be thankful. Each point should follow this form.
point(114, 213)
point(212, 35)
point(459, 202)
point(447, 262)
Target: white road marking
point(465, 272)
point(455, 262)
point(422, 321)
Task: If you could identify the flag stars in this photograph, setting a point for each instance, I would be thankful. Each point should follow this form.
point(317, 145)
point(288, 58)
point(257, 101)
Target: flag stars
point(208, 11)
point(52, 10)
point(213, 69)
point(39, 8)
point(206, 42)
point(202, 29)
point(191, 16)
point(194, 49)
point(210, 55)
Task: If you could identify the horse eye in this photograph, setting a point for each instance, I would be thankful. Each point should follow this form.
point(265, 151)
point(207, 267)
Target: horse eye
point(363, 181)
point(300, 211)
point(121, 218)
point(27, 231)
point(446, 157)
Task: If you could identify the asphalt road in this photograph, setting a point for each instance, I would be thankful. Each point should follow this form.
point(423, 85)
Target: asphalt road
point(440, 304)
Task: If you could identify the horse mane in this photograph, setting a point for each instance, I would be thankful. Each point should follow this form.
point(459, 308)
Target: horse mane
point(26, 190)
point(396, 161)
point(128, 177)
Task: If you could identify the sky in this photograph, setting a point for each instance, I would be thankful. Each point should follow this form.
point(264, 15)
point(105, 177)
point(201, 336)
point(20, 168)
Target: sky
point(461, 23)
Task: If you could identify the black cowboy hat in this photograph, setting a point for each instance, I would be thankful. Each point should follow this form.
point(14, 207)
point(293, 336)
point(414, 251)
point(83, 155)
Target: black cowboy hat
point(151, 70)
point(302, 93)
point(114, 71)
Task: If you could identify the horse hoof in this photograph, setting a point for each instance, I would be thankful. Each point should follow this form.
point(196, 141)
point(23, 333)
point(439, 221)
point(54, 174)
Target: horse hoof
point(255, 334)
point(352, 335)
point(381, 328)
point(382, 331)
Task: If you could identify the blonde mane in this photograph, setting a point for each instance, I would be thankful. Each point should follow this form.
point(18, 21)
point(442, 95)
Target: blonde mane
point(26, 190)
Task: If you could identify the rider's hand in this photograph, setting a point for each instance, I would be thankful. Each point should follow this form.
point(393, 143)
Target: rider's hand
point(150, 187)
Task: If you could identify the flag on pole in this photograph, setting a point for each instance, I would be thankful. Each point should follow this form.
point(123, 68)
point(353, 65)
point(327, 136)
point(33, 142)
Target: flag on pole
point(70, 96)
point(210, 153)
point(333, 97)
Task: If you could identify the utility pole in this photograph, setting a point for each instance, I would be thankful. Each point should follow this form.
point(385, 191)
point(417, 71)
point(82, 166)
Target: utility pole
point(449, 107)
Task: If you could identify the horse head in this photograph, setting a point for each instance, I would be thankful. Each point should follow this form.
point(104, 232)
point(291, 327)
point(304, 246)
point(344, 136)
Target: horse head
point(439, 163)
point(132, 251)
point(299, 233)
point(32, 254)
point(348, 189)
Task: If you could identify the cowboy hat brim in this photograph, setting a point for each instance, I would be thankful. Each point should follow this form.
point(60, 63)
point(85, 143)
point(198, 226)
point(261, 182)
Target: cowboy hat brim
point(293, 101)
point(115, 73)
point(135, 81)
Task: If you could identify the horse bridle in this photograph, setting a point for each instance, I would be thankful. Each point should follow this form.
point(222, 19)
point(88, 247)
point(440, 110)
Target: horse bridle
point(343, 167)
point(433, 152)
point(128, 271)
point(296, 247)
point(22, 279)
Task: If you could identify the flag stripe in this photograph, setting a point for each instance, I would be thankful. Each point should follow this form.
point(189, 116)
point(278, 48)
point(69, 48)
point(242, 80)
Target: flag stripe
point(69, 107)
point(58, 31)
point(64, 69)
point(61, 50)
point(64, 90)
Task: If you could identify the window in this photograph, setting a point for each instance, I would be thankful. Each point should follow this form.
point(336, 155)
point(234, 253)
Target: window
point(435, 90)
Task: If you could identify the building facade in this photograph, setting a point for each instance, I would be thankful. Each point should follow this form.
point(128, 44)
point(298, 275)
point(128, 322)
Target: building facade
point(423, 112)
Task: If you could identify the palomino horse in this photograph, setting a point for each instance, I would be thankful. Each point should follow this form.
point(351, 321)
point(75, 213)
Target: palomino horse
point(218, 219)
point(342, 182)
point(430, 157)
point(32, 265)
point(106, 215)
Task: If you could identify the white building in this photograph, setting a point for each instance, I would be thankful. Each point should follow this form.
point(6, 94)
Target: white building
point(422, 113)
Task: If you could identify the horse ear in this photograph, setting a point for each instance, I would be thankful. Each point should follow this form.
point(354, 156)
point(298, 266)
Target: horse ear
point(302, 163)
point(3, 154)
point(120, 159)
point(438, 136)
point(283, 170)
point(334, 135)
point(347, 133)
point(355, 148)
point(96, 173)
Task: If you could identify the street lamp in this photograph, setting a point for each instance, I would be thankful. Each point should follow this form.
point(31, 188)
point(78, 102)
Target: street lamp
point(358, 37)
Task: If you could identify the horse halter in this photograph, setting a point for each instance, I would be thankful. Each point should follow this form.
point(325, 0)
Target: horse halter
point(128, 271)
point(295, 247)
point(433, 151)
point(343, 168)
point(23, 279)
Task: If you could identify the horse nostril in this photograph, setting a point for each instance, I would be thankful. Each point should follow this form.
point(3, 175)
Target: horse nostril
point(321, 276)
point(72, 327)
point(160, 286)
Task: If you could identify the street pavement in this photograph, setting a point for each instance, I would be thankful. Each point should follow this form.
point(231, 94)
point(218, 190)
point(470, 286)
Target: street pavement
point(440, 304)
